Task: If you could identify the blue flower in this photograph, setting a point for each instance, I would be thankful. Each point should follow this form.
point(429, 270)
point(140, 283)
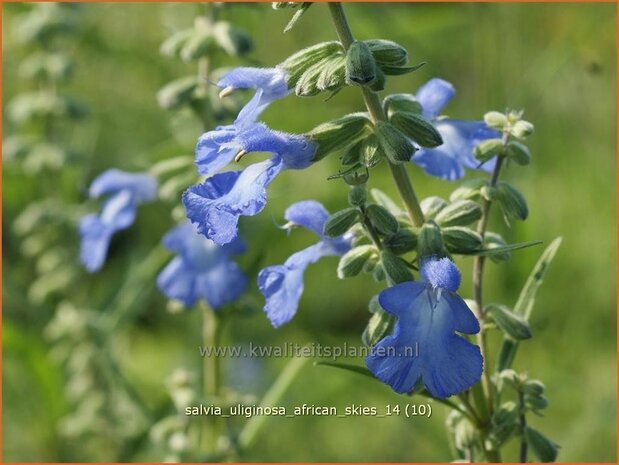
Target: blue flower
point(449, 160)
point(126, 191)
point(282, 285)
point(201, 269)
point(215, 149)
point(424, 343)
point(270, 85)
point(216, 204)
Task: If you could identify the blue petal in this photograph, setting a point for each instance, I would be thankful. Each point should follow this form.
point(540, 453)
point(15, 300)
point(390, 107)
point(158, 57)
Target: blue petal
point(215, 149)
point(424, 343)
point(142, 186)
point(95, 240)
point(270, 85)
point(434, 95)
point(221, 284)
point(177, 282)
point(216, 205)
point(461, 137)
point(441, 273)
point(309, 214)
point(439, 163)
point(282, 285)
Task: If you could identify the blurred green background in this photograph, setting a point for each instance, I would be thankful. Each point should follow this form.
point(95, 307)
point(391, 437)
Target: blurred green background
point(557, 61)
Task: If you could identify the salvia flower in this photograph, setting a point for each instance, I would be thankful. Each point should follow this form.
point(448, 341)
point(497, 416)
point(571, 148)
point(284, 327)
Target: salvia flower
point(424, 344)
point(215, 149)
point(216, 204)
point(282, 285)
point(269, 83)
point(449, 160)
point(125, 192)
point(201, 269)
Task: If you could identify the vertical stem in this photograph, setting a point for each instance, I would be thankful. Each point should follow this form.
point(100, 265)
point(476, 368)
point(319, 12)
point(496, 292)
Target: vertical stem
point(375, 108)
point(524, 445)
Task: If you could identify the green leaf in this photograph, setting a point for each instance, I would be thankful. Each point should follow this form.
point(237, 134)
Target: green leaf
point(360, 370)
point(503, 249)
point(526, 301)
point(512, 324)
point(545, 449)
point(297, 16)
point(399, 70)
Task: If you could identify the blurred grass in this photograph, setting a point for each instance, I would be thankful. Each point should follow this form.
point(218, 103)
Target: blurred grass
point(557, 61)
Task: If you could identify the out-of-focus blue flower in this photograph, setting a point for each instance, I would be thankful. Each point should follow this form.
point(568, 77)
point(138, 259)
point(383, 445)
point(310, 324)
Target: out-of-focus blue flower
point(270, 85)
point(201, 269)
point(282, 285)
point(215, 149)
point(424, 343)
point(449, 160)
point(216, 204)
point(126, 191)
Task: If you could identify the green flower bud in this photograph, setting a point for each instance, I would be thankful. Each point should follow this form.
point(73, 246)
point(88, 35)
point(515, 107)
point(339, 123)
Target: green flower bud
point(512, 201)
point(459, 239)
point(360, 64)
point(469, 190)
point(459, 213)
point(333, 73)
point(522, 129)
point(395, 145)
point(378, 273)
point(430, 242)
point(511, 377)
point(417, 128)
point(231, 40)
point(378, 84)
point(431, 206)
point(493, 240)
point(536, 402)
point(387, 52)
point(488, 149)
point(403, 241)
point(371, 153)
point(401, 102)
point(299, 62)
point(339, 133)
point(543, 448)
point(381, 219)
point(504, 423)
point(512, 324)
point(496, 120)
point(197, 45)
point(379, 326)
point(395, 268)
point(534, 388)
point(357, 196)
point(518, 152)
point(340, 222)
point(353, 261)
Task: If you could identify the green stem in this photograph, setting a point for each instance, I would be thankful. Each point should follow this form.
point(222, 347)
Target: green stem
point(524, 445)
point(375, 108)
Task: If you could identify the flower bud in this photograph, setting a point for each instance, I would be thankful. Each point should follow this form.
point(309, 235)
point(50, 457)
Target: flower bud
point(395, 145)
point(298, 63)
point(353, 261)
point(488, 149)
point(430, 242)
point(512, 202)
point(340, 222)
point(360, 64)
point(381, 219)
point(339, 133)
point(459, 213)
point(512, 324)
point(459, 239)
point(496, 120)
point(518, 152)
point(387, 52)
point(431, 206)
point(417, 128)
point(395, 268)
point(357, 196)
point(402, 241)
point(534, 388)
point(522, 129)
point(379, 326)
point(177, 93)
point(371, 153)
point(231, 39)
point(469, 190)
point(536, 402)
point(401, 102)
